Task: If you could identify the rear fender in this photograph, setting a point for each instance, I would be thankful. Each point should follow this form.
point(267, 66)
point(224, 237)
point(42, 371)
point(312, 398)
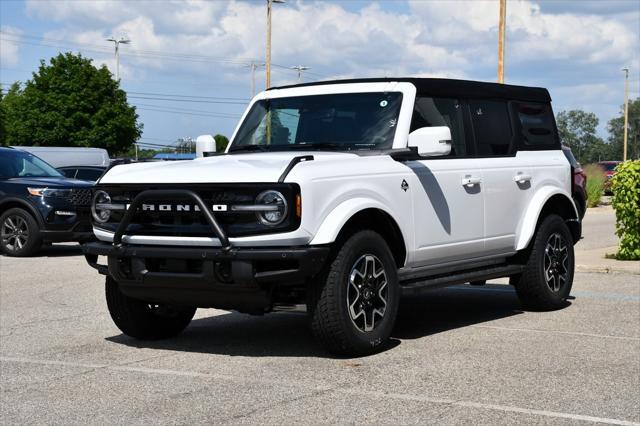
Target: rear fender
point(527, 226)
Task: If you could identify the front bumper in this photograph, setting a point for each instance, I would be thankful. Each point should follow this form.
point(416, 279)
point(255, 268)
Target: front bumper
point(237, 278)
point(78, 230)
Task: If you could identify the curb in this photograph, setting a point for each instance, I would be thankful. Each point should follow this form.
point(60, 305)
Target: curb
point(602, 269)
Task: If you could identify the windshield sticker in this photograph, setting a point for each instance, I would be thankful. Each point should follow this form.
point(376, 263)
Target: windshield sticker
point(384, 103)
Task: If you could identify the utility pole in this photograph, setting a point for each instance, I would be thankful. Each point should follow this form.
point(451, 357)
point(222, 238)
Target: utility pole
point(626, 112)
point(300, 68)
point(268, 61)
point(117, 44)
point(501, 31)
point(254, 67)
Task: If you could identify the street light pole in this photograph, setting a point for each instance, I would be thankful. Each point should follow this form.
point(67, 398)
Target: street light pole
point(626, 112)
point(501, 31)
point(268, 61)
point(300, 68)
point(254, 67)
point(117, 46)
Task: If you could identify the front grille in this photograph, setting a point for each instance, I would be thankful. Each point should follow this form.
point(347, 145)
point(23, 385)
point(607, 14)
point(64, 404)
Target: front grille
point(192, 223)
point(80, 197)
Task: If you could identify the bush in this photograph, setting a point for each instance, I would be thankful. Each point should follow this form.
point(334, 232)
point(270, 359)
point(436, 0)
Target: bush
point(625, 186)
point(595, 183)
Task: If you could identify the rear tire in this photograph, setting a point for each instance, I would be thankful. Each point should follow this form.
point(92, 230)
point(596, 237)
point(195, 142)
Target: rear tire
point(354, 302)
point(145, 321)
point(546, 282)
point(19, 233)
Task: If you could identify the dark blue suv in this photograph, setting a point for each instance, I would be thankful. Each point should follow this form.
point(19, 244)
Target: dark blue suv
point(39, 205)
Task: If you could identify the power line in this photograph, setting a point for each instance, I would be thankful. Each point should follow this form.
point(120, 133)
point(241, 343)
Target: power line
point(188, 96)
point(176, 109)
point(186, 113)
point(42, 41)
point(188, 100)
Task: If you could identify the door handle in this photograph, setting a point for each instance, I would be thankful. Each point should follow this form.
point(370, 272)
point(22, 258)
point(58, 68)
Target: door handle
point(471, 181)
point(522, 178)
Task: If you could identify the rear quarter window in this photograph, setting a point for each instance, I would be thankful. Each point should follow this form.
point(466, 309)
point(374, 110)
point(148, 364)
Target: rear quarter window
point(537, 126)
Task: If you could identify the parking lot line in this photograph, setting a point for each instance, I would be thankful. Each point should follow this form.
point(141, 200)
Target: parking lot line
point(573, 333)
point(352, 391)
point(504, 408)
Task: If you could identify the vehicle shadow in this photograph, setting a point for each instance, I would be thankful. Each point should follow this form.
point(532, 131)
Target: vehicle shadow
point(288, 335)
point(454, 307)
point(55, 250)
point(59, 250)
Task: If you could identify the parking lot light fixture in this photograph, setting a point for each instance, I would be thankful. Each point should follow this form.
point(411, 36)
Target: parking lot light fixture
point(117, 43)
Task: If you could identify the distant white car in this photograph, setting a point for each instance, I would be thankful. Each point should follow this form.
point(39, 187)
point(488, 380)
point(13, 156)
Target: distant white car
point(69, 156)
point(342, 196)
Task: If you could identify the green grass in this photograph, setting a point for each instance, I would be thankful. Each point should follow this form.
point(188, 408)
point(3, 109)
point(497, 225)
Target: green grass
point(595, 184)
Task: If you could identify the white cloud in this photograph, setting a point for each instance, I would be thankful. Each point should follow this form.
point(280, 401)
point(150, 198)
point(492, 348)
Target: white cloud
point(573, 48)
point(531, 33)
point(9, 50)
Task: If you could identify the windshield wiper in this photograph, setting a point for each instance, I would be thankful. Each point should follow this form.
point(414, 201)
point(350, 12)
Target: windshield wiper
point(332, 146)
point(315, 145)
point(249, 148)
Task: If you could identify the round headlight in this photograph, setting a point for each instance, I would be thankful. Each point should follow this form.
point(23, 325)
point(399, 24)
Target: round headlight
point(100, 214)
point(277, 205)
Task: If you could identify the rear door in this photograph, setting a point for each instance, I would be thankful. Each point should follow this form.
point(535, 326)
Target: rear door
point(505, 132)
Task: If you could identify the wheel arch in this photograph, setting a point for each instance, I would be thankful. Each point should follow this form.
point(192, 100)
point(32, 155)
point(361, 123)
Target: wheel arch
point(545, 202)
point(10, 203)
point(353, 216)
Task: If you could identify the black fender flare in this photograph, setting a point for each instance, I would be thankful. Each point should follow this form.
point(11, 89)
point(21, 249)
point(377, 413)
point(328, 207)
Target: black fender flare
point(18, 202)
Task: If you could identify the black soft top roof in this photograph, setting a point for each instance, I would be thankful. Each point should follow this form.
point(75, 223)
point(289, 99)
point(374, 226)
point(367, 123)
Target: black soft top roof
point(444, 87)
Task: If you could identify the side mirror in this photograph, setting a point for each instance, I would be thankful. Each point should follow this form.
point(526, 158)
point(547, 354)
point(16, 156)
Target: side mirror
point(431, 141)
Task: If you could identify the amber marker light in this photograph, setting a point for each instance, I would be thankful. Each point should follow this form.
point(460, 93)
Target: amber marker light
point(298, 205)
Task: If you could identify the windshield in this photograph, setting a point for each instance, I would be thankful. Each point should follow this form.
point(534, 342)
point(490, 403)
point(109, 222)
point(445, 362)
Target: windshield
point(17, 163)
point(348, 121)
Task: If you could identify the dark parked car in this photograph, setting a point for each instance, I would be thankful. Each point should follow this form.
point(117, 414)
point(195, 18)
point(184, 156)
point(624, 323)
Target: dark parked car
point(609, 170)
point(579, 186)
point(39, 205)
point(90, 173)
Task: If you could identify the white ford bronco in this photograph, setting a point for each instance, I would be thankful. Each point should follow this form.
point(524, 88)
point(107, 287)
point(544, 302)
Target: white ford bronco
point(340, 197)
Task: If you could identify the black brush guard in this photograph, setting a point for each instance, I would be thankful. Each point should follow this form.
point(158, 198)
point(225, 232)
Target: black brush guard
point(170, 193)
point(223, 277)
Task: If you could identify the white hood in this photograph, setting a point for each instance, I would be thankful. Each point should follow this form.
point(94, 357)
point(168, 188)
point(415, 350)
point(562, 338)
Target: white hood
point(236, 168)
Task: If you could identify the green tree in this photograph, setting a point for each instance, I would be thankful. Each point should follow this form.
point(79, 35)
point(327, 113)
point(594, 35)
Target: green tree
point(577, 130)
point(616, 132)
point(221, 142)
point(3, 135)
point(70, 102)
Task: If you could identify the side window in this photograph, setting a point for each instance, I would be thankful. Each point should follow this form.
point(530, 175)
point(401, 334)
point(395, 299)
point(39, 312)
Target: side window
point(88, 174)
point(537, 126)
point(491, 126)
point(432, 112)
point(70, 173)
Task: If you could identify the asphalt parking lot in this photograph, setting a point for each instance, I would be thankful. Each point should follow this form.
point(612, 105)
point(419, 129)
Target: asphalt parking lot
point(459, 355)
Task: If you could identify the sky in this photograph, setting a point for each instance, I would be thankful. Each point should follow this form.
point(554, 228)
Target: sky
point(188, 70)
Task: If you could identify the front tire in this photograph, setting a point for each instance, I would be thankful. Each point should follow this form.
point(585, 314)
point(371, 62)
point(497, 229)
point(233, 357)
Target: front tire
point(142, 320)
point(546, 282)
point(354, 303)
point(19, 233)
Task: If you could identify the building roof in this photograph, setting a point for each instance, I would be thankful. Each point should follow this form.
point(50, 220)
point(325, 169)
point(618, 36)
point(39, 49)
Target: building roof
point(174, 156)
point(445, 87)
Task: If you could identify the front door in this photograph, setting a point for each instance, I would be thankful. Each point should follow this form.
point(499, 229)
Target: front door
point(448, 210)
point(448, 193)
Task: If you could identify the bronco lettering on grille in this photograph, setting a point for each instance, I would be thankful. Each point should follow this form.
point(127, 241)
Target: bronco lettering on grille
point(180, 207)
